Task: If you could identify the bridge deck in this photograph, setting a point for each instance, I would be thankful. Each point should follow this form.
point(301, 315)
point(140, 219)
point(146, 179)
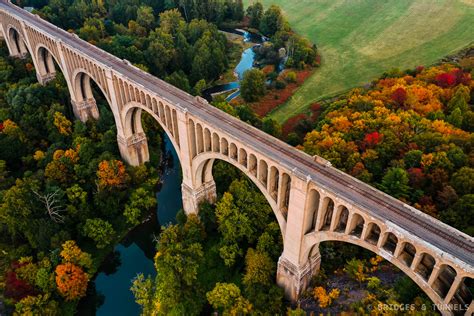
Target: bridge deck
point(375, 202)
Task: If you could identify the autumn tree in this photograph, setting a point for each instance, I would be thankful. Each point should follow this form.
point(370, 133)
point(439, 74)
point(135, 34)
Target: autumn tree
point(111, 174)
point(71, 281)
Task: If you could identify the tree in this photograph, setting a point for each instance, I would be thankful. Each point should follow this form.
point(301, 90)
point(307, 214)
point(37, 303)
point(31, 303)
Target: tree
point(140, 201)
point(271, 127)
point(145, 16)
point(255, 12)
point(356, 270)
point(71, 253)
point(112, 174)
point(252, 86)
point(272, 21)
point(71, 281)
point(99, 230)
point(395, 182)
point(455, 118)
point(226, 297)
point(463, 181)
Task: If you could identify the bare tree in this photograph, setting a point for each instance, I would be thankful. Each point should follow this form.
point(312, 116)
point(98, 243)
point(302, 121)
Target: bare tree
point(53, 206)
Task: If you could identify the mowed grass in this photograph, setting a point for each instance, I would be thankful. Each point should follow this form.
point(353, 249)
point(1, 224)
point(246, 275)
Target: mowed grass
point(361, 39)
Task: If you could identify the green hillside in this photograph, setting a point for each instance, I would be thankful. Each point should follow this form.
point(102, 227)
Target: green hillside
point(360, 39)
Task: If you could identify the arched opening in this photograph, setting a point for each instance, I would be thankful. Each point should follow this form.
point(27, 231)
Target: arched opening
point(215, 143)
point(224, 147)
point(233, 152)
point(407, 254)
point(328, 209)
point(205, 166)
point(199, 138)
point(341, 219)
point(263, 173)
point(425, 266)
point(362, 275)
point(253, 165)
point(243, 157)
point(192, 136)
point(284, 196)
point(374, 234)
point(462, 294)
point(356, 225)
point(17, 43)
point(390, 243)
point(312, 211)
point(207, 140)
point(47, 65)
point(274, 179)
point(444, 281)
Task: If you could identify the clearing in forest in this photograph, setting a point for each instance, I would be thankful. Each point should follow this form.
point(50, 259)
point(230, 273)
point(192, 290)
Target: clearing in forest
point(361, 39)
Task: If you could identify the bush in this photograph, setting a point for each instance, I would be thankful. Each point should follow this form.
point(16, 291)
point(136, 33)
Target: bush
point(280, 84)
point(291, 77)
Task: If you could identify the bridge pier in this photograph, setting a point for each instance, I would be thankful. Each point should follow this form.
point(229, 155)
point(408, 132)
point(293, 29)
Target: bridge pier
point(134, 149)
point(44, 79)
point(193, 197)
point(295, 279)
point(84, 110)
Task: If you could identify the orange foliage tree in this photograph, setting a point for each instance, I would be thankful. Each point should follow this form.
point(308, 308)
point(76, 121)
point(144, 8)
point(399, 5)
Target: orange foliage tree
point(112, 174)
point(71, 281)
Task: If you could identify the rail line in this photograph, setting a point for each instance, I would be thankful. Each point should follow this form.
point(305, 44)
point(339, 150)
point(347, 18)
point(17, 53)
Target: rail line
point(183, 99)
point(410, 217)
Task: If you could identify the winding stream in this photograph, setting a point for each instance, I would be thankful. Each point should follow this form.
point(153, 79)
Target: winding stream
point(135, 253)
point(245, 63)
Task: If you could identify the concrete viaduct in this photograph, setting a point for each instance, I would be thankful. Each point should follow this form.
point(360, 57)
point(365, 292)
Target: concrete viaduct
point(312, 201)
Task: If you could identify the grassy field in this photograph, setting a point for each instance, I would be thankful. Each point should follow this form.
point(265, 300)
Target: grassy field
point(360, 39)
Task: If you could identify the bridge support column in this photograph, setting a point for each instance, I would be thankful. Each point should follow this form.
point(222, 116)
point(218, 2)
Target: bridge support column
point(297, 265)
point(134, 149)
point(85, 109)
point(193, 197)
point(295, 279)
point(44, 79)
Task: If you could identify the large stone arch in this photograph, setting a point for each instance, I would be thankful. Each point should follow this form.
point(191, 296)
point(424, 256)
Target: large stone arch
point(312, 241)
point(82, 98)
point(16, 42)
point(45, 59)
point(132, 127)
point(202, 174)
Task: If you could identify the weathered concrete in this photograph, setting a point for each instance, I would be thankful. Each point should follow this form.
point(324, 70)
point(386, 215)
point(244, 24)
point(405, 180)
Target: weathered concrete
point(312, 201)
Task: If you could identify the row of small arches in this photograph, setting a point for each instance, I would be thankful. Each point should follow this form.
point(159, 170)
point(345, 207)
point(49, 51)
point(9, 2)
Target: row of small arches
point(275, 182)
point(325, 216)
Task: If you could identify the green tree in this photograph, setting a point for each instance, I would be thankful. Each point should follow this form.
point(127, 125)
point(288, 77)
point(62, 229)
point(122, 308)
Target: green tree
point(227, 298)
point(145, 16)
point(455, 118)
point(140, 201)
point(271, 127)
point(395, 182)
point(252, 86)
point(272, 21)
point(463, 181)
point(255, 13)
point(99, 230)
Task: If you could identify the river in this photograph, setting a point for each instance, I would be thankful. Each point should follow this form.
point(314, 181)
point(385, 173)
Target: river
point(246, 62)
point(135, 253)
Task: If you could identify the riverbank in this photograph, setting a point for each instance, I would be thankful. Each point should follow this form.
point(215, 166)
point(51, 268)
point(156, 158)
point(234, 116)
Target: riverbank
point(109, 292)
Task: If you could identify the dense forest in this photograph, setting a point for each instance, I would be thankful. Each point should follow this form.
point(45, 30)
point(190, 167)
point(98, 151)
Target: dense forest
point(66, 198)
point(410, 136)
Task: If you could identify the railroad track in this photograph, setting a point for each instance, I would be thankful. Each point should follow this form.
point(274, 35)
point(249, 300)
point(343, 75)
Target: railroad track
point(152, 82)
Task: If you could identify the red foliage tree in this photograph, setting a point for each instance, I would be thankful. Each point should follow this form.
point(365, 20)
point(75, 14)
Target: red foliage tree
point(15, 288)
point(372, 139)
point(446, 80)
point(416, 176)
point(399, 96)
